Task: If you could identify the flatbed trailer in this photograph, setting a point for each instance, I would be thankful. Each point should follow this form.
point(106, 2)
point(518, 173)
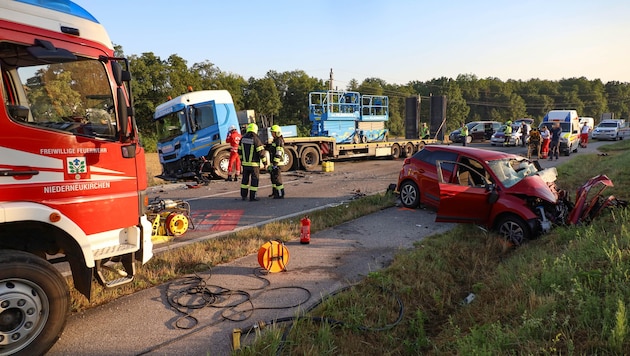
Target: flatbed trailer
point(309, 152)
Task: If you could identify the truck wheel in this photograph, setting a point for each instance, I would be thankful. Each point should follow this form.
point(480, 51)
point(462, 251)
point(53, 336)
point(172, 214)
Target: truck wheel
point(309, 159)
point(409, 149)
point(220, 164)
point(287, 162)
point(468, 139)
point(395, 151)
point(34, 304)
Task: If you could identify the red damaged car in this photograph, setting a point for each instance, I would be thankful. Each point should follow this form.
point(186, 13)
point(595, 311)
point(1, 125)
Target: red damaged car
point(500, 191)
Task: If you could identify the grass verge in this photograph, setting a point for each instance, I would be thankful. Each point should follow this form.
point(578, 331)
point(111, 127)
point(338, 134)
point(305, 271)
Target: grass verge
point(565, 293)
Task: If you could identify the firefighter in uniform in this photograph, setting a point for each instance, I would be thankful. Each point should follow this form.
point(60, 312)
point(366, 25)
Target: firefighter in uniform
point(277, 158)
point(252, 155)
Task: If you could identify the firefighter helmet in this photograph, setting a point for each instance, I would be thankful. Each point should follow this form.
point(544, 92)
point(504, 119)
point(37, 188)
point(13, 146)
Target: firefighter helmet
point(252, 128)
point(276, 129)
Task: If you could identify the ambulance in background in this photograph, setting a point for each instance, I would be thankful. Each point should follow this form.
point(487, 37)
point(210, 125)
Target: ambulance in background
point(570, 124)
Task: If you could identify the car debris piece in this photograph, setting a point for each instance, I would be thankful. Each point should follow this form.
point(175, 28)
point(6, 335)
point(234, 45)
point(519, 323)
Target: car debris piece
point(589, 203)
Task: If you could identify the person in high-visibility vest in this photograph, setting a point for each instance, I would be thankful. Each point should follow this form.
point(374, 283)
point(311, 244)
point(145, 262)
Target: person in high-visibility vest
point(252, 155)
point(424, 131)
point(508, 133)
point(277, 159)
point(463, 132)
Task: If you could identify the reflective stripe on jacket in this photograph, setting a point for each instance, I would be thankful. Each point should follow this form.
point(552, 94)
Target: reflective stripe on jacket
point(278, 151)
point(250, 150)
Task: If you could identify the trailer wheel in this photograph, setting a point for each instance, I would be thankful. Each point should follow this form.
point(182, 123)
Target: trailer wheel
point(309, 159)
point(220, 164)
point(34, 304)
point(409, 149)
point(395, 151)
point(287, 162)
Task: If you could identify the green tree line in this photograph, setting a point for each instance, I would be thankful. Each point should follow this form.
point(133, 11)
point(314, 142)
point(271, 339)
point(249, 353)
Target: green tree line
point(282, 97)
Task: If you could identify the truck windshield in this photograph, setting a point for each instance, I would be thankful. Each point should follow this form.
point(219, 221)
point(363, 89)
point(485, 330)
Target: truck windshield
point(74, 97)
point(608, 124)
point(171, 126)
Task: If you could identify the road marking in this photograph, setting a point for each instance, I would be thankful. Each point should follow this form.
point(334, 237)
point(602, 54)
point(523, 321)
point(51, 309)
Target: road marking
point(216, 220)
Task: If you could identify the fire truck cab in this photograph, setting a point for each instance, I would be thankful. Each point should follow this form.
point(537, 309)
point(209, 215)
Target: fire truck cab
point(72, 172)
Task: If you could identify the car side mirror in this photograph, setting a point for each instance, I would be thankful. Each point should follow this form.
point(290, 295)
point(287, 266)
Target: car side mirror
point(494, 195)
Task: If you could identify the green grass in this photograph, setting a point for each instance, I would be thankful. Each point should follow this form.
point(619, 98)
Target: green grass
point(566, 293)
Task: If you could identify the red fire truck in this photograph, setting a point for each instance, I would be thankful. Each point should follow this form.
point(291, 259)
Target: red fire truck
point(72, 173)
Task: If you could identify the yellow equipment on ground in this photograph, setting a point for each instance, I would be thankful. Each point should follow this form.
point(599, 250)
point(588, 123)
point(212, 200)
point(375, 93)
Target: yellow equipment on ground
point(171, 218)
point(273, 256)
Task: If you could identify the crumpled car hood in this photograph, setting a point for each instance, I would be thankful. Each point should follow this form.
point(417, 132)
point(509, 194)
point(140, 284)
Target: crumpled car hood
point(541, 185)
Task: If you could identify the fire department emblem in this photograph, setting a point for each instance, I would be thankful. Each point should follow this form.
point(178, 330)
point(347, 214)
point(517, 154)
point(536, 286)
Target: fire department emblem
point(76, 166)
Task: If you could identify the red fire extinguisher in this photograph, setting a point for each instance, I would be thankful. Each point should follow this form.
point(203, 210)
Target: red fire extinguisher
point(305, 233)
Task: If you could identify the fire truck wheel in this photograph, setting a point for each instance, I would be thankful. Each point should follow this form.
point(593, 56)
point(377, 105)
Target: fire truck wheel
point(34, 302)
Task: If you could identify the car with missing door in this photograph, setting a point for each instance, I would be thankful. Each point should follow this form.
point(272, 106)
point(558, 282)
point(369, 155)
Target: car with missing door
point(503, 192)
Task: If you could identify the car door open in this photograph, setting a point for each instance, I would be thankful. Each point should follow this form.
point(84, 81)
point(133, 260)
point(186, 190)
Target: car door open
point(465, 197)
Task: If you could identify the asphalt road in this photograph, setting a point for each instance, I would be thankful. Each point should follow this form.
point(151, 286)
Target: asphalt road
point(145, 323)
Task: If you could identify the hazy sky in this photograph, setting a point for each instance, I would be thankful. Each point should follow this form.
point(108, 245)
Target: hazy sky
point(394, 40)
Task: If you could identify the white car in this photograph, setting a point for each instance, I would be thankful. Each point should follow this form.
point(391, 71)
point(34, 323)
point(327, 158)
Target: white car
point(498, 138)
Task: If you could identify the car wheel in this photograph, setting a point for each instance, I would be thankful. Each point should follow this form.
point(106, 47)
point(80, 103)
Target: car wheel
point(409, 194)
point(513, 229)
point(468, 139)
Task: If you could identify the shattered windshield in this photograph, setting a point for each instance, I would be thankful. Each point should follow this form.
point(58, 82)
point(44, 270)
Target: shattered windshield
point(513, 170)
point(171, 126)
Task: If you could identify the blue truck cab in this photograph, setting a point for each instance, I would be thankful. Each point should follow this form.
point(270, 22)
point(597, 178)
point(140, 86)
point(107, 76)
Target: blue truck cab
point(191, 130)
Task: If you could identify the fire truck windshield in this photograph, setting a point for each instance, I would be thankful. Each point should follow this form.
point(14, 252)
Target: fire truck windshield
point(74, 97)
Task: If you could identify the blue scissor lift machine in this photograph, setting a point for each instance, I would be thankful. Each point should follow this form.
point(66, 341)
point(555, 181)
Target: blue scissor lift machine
point(348, 116)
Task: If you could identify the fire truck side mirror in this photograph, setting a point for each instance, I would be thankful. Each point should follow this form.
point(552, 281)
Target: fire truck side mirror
point(123, 114)
point(120, 75)
point(117, 73)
